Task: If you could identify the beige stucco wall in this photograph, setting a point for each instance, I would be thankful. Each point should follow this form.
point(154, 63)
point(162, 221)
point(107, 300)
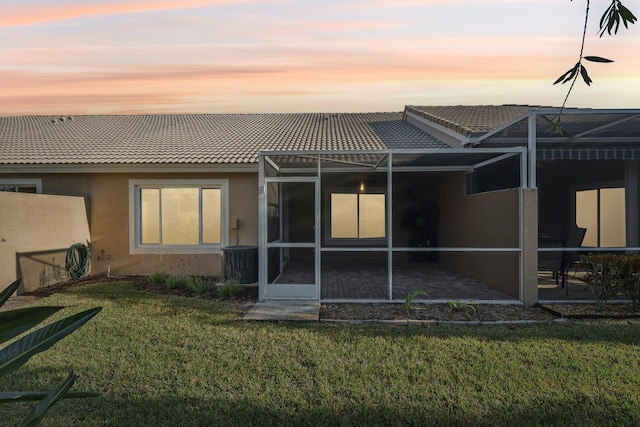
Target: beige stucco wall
point(36, 231)
point(481, 220)
point(107, 198)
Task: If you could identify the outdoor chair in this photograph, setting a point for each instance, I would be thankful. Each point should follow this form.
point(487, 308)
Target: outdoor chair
point(574, 240)
point(551, 261)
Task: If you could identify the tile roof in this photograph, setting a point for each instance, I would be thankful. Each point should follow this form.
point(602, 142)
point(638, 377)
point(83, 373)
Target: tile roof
point(197, 138)
point(471, 120)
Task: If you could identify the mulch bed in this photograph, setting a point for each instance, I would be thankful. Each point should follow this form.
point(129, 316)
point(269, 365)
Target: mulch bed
point(588, 311)
point(367, 311)
point(440, 312)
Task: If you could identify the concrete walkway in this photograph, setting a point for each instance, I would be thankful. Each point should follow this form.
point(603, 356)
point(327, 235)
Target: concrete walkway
point(299, 311)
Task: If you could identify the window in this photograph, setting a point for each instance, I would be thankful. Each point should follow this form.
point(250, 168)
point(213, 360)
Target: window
point(602, 212)
point(180, 216)
point(358, 216)
point(21, 185)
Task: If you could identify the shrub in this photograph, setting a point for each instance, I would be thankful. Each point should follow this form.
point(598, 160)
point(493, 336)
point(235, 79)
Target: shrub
point(631, 284)
point(609, 275)
point(230, 288)
point(175, 282)
point(198, 285)
point(158, 277)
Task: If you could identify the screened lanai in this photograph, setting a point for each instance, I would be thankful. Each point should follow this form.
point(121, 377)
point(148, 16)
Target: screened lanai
point(375, 225)
point(588, 180)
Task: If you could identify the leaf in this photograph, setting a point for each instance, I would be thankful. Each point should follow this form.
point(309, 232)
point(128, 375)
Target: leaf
point(616, 21)
point(585, 76)
point(17, 354)
point(556, 127)
point(30, 396)
point(604, 18)
point(610, 20)
point(627, 15)
point(568, 75)
point(9, 290)
point(409, 300)
point(15, 322)
point(597, 59)
point(45, 404)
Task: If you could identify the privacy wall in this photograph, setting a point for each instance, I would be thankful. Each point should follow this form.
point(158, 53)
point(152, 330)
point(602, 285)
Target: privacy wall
point(35, 232)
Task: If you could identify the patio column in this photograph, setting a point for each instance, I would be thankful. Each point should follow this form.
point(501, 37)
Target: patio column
point(632, 187)
point(529, 292)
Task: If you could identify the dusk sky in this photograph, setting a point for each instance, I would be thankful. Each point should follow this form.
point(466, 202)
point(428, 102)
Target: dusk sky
point(256, 56)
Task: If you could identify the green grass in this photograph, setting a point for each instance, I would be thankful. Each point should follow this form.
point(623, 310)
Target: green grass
point(174, 361)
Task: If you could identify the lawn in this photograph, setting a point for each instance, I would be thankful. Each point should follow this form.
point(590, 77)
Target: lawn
point(175, 361)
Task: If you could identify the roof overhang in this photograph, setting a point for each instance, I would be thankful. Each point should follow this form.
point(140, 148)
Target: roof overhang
point(399, 160)
point(129, 168)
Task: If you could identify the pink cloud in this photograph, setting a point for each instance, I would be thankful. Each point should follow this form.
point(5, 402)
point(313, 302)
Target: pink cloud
point(417, 3)
point(22, 16)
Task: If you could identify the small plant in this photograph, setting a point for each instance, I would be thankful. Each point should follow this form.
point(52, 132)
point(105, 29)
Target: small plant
point(158, 277)
point(197, 285)
point(12, 324)
point(230, 288)
point(631, 281)
point(409, 300)
point(57, 274)
point(457, 305)
point(610, 275)
point(605, 275)
point(175, 282)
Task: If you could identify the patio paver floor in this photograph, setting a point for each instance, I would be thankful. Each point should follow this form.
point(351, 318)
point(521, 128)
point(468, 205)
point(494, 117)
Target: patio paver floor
point(368, 281)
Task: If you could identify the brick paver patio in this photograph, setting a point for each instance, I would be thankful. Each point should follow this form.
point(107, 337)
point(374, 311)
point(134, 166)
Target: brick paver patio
point(366, 280)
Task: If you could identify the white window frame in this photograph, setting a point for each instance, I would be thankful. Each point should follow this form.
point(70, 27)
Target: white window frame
point(352, 241)
point(135, 244)
point(28, 182)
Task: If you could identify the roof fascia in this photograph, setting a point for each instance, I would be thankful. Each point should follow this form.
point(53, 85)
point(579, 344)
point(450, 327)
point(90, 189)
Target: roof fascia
point(129, 168)
point(564, 140)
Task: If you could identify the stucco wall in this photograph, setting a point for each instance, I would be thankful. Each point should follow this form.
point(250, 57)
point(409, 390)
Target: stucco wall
point(481, 220)
point(36, 231)
point(107, 198)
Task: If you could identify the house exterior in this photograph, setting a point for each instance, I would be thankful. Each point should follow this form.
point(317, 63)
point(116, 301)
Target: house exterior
point(458, 187)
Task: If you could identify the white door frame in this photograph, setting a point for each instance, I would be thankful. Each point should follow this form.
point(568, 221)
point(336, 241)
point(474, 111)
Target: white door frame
point(290, 290)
